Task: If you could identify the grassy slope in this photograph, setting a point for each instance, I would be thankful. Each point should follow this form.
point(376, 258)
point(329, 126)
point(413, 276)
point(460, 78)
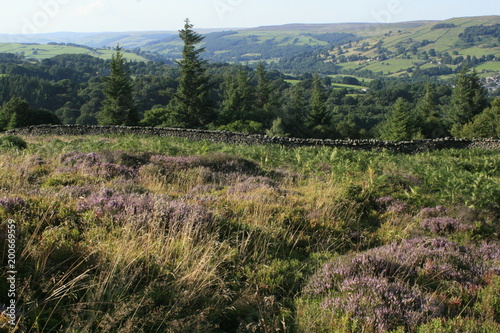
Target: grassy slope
point(229, 238)
point(443, 40)
point(49, 51)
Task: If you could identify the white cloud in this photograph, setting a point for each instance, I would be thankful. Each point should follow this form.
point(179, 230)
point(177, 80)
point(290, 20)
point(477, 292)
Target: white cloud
point(89, 9)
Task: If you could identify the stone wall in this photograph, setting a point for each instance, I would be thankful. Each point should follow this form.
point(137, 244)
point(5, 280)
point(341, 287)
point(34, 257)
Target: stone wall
point(253, 139)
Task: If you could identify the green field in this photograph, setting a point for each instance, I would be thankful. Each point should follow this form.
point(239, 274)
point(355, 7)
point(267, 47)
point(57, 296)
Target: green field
point(347, 86)
point(40, 52)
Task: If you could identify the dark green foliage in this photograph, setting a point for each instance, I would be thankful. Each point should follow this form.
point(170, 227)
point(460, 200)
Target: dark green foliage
point(484, 125)
point(428, 116)
point(443, 26)
point(399, 125)
point(12, 141)
point(238, 101)
point(118, 107)
point(191, 105)
point(17, 113)
point(471, 34)
point(468, 99)
point(318, 119)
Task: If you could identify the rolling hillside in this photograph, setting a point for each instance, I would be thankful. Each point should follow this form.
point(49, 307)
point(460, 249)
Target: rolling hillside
point(41, 51)
point(404, 51)
point(434, 48)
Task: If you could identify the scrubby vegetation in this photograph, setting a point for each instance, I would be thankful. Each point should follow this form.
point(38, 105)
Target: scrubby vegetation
point(146, 234)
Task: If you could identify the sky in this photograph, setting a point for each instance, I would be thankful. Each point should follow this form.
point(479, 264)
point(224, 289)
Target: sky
point(43, 16)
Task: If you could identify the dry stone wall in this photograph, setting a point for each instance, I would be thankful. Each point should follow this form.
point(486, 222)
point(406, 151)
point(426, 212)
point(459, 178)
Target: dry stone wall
point(254, 139)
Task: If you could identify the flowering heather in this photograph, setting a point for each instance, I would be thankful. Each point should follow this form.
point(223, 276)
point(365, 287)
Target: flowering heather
point(136, 207)
point(389, 204)
point(221, 162)
point(443, 225)
point(12, 204)
point(420, 260)
point(393, 285)
point(95, 164)
point(397, 207)
point(432, 211)
point(383, 201)
point(173, 163)
point(177, 212)
point(253, 183)
point(490, 252)
point(74, 191)
point(383, 305)
point(116, 205)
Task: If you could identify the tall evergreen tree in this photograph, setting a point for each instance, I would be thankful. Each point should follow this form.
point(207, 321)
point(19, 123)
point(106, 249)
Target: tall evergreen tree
point(318, 115)
point(468, 99)
point(294, 111)
point(118, 107)
point(266, 97)
point(399, 125)
point(238, 98)
point(484, 125)
point(428, 119)
point(191, 105)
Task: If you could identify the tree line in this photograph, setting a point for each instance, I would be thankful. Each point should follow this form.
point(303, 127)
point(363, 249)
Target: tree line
point(196, 94)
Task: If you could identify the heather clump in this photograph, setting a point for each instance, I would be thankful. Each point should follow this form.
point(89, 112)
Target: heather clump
point(251, 184)
point(390, 205)
point(382, 305)
point(175, 163)
point(11, 204)
point(95, 164)
point(228, 163)
point(143, 208)
point(443, 225)
point(116, 205)
point(440, 220)
point(397, 284)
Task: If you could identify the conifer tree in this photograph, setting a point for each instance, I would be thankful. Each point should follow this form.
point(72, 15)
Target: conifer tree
point(238, 98)
point(294, 111)
point(318, 115)
point(118, 107)
point(427, 114)
point(266, 99)
point(191, 106)
point(468, 99)
point(484, 125)
point(398, 125)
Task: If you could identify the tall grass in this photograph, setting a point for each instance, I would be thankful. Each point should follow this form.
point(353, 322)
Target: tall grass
point(146, 234)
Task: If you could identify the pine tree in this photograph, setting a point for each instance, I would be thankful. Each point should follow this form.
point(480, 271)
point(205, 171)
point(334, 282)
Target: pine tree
point(427, 114)
point(398, 125)
point(266, 99)
point(294, 110)
point(484, 125)
point(118, 107)
point(468, 99)
point(191, 106)
point(318, 115)
point(238, 98)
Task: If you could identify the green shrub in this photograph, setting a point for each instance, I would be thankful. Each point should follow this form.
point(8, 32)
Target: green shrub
point(12, 141)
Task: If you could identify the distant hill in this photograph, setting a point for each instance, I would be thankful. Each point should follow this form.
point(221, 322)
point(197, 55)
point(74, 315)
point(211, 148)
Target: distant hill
point(434, 48)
